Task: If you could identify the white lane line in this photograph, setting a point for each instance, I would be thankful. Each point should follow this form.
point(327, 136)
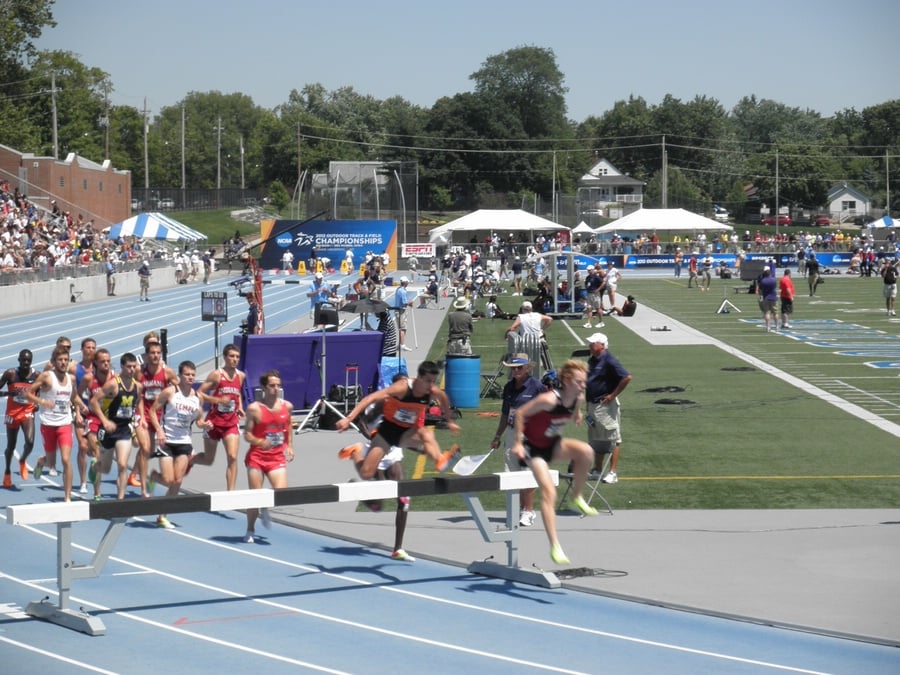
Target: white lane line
point(407, 593)
point(574, 334)
point(51, 655)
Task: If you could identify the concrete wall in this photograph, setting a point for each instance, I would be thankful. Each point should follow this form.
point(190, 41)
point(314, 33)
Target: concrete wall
point(39, 296)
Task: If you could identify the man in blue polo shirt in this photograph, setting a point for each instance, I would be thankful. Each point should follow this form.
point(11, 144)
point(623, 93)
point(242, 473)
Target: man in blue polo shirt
point(606, 380)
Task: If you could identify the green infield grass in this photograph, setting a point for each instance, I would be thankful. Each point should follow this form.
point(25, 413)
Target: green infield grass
point(742, 438)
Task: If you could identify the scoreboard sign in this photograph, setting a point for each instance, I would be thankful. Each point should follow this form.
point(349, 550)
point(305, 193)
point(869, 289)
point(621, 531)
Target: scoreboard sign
point(214, 306)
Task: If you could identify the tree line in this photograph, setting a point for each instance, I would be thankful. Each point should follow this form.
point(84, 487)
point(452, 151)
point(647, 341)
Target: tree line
point(507, 139)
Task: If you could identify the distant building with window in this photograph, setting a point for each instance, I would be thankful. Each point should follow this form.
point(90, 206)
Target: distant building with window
point(845, 203)
point(604, 191)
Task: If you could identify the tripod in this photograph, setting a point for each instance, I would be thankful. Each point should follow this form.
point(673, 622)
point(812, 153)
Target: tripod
point(726, 303)
point(329, 320)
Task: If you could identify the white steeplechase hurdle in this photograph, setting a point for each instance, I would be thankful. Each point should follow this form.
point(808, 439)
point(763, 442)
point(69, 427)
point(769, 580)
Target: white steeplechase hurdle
point(117, 512)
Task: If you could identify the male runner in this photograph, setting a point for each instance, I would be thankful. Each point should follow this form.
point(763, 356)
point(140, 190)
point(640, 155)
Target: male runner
point(155, 376)
point(79, 370)
point(118, 404)
point(55, 395)
point(90, 384)
point(174, 410)
point(222, 391)
point(19, 412)
point(403, 406)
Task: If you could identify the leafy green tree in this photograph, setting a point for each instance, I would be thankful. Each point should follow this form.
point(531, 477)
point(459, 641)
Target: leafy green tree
point(626, 136)
point(528, 83)
point(441, 199)
point(279, 196)
point(21, 22)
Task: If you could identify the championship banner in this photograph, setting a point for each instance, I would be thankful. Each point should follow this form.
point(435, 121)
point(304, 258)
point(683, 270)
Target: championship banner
point(331, 238)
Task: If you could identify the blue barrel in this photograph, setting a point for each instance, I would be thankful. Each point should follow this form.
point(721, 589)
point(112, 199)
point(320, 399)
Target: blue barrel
point(463, 380)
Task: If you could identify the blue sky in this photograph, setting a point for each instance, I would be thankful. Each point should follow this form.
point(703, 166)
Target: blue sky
point(819, 54)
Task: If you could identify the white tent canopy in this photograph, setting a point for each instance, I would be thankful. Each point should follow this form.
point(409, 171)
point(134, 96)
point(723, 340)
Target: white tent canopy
point(884, 221)
point(154, 226)
point(499, 221)
point(649, 220)
point(582, 228)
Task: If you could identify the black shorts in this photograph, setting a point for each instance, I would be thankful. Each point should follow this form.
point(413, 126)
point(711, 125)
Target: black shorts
point(174, 450)
point(544, 453)
point(108, 439)
point(391, 432)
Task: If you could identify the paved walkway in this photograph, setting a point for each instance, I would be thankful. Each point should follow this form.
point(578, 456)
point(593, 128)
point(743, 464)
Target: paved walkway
point(832, 571)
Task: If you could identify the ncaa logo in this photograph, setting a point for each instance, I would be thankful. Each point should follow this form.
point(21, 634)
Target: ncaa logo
point(283, 240)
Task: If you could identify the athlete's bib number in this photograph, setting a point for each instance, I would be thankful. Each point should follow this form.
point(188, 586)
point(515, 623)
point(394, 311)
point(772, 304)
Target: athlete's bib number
point(275, 438)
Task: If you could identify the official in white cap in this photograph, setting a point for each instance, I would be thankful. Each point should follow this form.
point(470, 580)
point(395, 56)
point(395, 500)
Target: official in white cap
point(403, 306)
point(607, 378)
point(144, 278)
point(319, 293)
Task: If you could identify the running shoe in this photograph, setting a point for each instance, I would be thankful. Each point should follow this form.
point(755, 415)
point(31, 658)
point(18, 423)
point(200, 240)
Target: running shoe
point(588, 325)
point(83, 489)
point(38, 469)
point(400, 554)
point(583, 506)
point(526, 519)
point(7, 480)
point(610, 478)
point(133, 480)
point(164, 523)
point(265, 518)
point(23, 470)
point(248, 538)
point(444, 463)
point(92, 471)
point(349, 451)
point(53, 473)
point(558, 555)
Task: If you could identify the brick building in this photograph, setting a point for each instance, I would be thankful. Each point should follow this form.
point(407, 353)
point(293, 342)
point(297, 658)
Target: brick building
point(79, 186)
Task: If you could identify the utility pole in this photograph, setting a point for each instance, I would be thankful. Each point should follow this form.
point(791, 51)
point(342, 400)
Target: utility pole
point(664, 176)
point(146, 153)
point(219, 155)
point(242, 161)
point(183, 174)
point(53, 109)
point(104, 120)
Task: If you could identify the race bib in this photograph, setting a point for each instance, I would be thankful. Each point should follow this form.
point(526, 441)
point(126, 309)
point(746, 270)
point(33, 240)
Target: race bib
point(226, 407)
point(275, 438)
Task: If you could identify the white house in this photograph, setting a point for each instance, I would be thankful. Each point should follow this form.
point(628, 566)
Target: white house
point(846, 203)
point(604, 186)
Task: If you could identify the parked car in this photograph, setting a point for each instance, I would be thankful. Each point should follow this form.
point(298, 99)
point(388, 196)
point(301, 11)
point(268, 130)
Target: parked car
point(136, 205)
point(821, 221)
point(166, 204)
point(782, 220)
point(720, 214)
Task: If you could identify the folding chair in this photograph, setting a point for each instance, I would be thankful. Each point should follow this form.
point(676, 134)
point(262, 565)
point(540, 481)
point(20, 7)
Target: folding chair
point(593, 482)
point(492, 387)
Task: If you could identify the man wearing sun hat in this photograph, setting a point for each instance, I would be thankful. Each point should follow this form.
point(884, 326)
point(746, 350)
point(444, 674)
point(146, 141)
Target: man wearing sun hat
point(460, 323)
point(521, 388)
point(606, 380)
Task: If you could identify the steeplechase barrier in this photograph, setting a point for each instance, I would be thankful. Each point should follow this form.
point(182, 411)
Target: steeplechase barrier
point(117, 512)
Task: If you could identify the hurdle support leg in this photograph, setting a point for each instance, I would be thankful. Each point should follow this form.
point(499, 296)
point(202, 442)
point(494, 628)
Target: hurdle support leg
point(511, 570)
point(67, 572)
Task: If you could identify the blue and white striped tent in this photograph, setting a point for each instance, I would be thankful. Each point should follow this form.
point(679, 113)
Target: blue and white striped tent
point(884, 221)
point(154, 226)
